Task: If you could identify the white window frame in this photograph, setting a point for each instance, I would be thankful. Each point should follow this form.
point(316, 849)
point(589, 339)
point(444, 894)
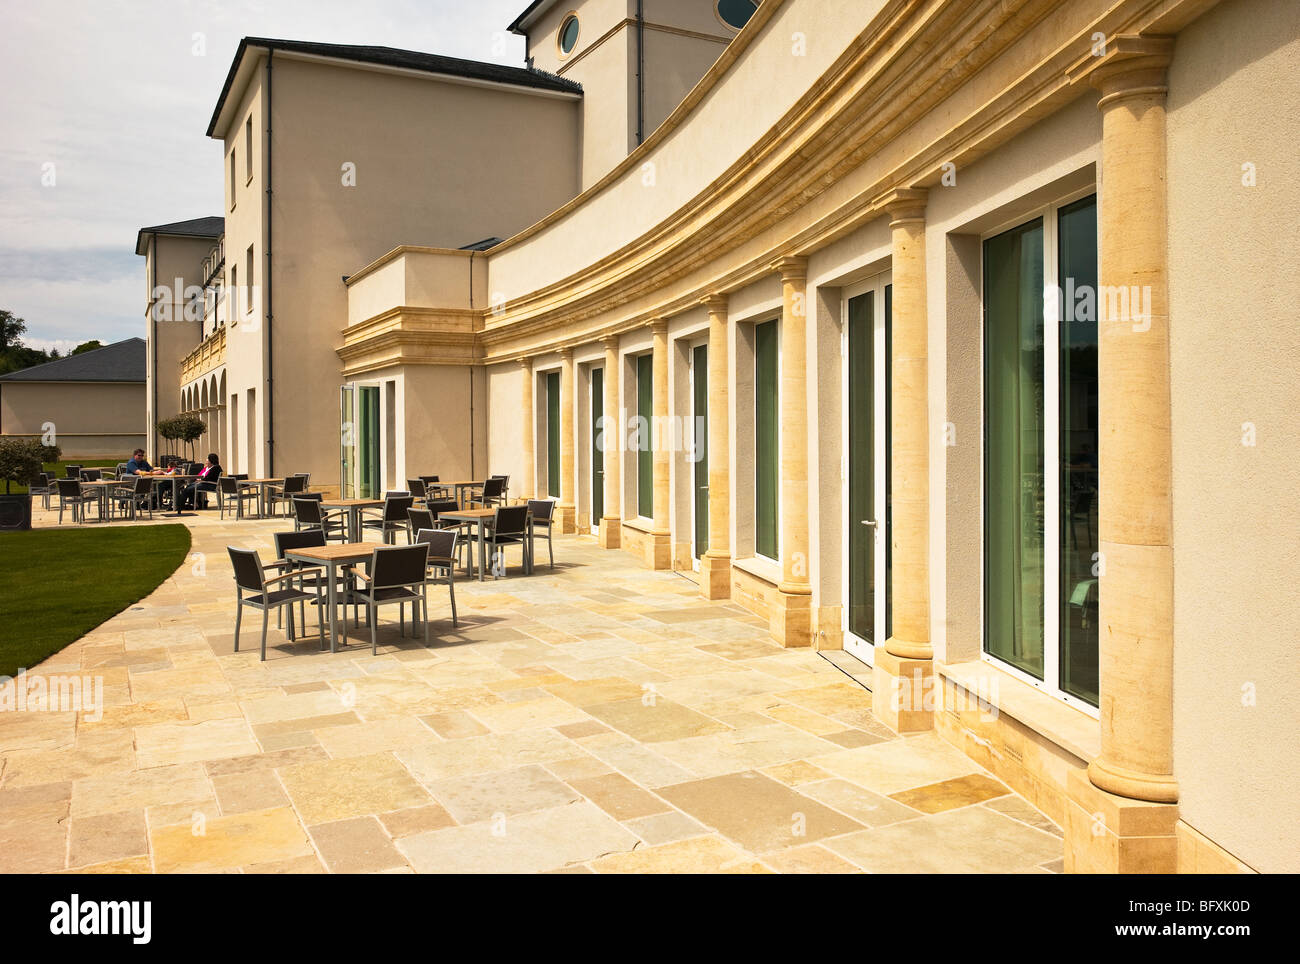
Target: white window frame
point(693, 342)
point(780, 441)
point(1050, 683)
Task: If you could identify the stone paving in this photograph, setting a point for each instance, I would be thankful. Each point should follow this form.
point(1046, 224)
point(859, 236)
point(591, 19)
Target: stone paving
point(595, 717)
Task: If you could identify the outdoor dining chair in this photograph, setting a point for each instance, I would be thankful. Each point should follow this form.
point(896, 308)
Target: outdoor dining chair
point(294, 485)
point(441, 562)
point(91, 475)
point(43, 487)
point(313, 576)
point(308, 515)
point(492, 494)
point(393, 518)
point(135, 493)
point(71, 495)
point(250, 577)
point(395, 574)
point(416, 488)
point(418, 519)
point(74, 471)
point(543, 518)
point(228, 489)
point(509, 528)
point(433, 489)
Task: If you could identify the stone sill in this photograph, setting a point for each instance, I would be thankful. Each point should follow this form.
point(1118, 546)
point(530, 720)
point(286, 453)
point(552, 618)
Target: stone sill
point(1073, 730)
point(764, 569)
point(640, 525)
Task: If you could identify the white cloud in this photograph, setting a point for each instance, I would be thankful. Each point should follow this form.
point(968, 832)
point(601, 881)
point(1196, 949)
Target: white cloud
point(113, 97)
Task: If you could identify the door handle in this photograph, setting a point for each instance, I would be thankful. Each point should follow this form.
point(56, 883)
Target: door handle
point(869, 522)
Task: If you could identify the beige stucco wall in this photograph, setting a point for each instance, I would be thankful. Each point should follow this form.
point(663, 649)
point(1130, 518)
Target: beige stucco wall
point(434, 166)
point(90, 419)
point(1234, 260)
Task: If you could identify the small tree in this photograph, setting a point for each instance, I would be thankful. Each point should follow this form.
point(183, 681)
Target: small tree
point(51, 454)
point(20, 461)
point(169, 430)
point(189, 429)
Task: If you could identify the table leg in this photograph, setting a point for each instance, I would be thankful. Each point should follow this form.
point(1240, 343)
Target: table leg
point(333, 596)
point(482, 548)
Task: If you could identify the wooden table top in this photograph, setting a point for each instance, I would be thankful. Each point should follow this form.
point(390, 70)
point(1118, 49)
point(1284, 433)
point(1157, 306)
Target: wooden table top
point(258, 481)
point(350, 503)
point(460, 482)
point(103, 482)
point(468, 514)
point(343, 552)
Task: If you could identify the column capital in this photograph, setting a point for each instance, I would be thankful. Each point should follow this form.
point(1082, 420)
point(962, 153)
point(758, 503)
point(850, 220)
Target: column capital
point(610, 342)
point(526, 363)
point(1127, 66)
point(566, 352)
point(791, 267)
point(716, 303)
point(659, 326)
point(905, 204)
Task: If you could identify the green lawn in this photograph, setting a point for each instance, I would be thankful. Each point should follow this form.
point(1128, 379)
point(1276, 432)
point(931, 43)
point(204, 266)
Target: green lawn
point(56, 585)
point(58, 470)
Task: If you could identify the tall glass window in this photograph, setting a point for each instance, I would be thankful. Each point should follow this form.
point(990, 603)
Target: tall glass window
point(767, 456)
point(553, 434)
point(1040, 448)
point(645, 470)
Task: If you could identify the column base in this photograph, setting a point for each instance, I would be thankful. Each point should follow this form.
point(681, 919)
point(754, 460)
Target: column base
point(903, 691)
point(790, 620)
point(715, 576)
point(658, 548)
point(1109, 834)
point(611, 533)
point(566, 519)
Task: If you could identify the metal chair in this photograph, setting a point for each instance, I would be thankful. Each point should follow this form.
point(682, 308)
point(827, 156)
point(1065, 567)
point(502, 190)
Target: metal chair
point(70, 495)
point(313, 575)
point(74, 471)
point(432, 488)
point(395, 574)
point(294, 485)
point(442, 561)
point(416, 488)
point(419, 519)
point(228, 488)
point(543, 517)
point(509, 528)
point(492, 494)
point(393, 518)
point(42, 486)
point(308, 515)
point(136, 493)
point(250, 577)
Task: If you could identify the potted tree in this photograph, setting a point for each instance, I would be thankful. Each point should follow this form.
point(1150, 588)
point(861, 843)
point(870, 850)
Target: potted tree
point(20, 462)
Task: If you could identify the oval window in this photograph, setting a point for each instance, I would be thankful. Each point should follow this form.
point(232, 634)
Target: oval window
point(568, 34)
point(736, 13)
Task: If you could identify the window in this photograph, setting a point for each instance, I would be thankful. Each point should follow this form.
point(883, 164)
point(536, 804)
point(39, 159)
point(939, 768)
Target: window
point(1040, 449)
point(567, 38)
point(232, 180)
point(645, 474)
point(735, 13)
point(248, 279)
point(248, 147)
point(234, 292)
point(767, 456)
point(553, 434)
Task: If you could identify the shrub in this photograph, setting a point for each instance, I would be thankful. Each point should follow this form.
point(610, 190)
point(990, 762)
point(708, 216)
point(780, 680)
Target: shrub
point(21, 460)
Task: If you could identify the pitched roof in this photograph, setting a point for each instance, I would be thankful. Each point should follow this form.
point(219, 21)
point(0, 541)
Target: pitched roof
point(196, 228)
point(518, 25)
point(122, 361)
point(405, 59)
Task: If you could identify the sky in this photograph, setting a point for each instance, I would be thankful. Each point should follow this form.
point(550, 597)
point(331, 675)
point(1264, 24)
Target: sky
point(103, 109)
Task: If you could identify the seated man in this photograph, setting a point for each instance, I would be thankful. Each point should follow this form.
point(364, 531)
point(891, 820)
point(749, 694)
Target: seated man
point(138, 463)
point(206, 482)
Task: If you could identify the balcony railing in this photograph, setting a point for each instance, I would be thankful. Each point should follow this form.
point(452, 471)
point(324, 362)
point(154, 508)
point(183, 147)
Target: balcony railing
point(210, 354)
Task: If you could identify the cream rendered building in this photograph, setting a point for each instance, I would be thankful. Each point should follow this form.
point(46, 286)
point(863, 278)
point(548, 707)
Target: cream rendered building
point(959, 328)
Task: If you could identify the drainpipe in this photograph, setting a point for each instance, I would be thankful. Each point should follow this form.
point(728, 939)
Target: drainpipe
point(640, 72)
point(153, 340)
point(266, 287)
point(471, 372)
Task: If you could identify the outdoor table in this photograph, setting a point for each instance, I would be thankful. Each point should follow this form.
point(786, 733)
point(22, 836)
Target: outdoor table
point(261, 491)
point(481, 518)
point(103, 488)
point(176, 481)
point(354, 508)
point(331, 558)
point(459, 488)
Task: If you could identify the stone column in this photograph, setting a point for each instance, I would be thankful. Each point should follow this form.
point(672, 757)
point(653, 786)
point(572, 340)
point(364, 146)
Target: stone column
point(715, 566)
point(1131, 785)
point(611, 524)
point(566, 509)
point(526, 486)
point(791, 613)
point(660, 549)
point(904, 665)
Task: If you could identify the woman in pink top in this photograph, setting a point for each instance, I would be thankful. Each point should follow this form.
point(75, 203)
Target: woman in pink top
point(206, 482)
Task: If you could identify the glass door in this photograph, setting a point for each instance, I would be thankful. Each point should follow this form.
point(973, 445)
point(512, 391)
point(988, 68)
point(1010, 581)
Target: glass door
point(347, 441)
point(700, 466)
point(597, 456)
point(866, 433)
point(553, 434)
point(369, 484)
